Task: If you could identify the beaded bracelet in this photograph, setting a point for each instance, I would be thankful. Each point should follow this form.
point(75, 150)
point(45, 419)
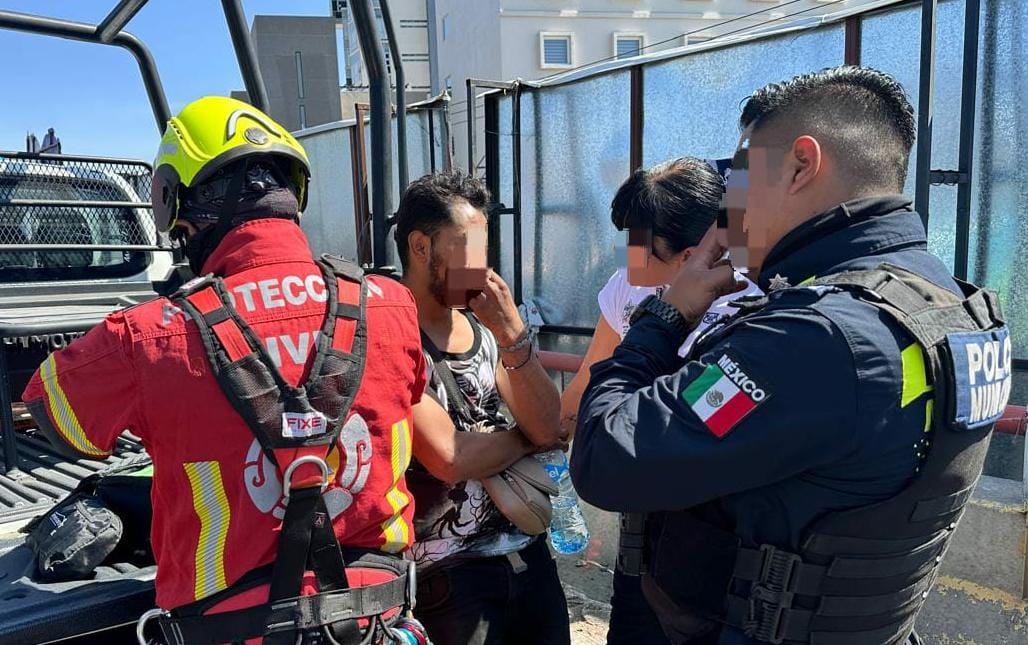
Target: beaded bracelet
point(525, 339)
point(531, 352)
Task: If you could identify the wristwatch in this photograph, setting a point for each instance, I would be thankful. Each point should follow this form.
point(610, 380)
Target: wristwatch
point(656, 307)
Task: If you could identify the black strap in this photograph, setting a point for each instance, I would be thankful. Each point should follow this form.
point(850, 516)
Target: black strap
point(220, 362)
point(454, 395)
point(286, 617)
point(776, 576)
point(306, 531)
point(940, 506)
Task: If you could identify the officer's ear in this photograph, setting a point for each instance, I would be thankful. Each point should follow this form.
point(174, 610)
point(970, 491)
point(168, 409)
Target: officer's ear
point(803, 163)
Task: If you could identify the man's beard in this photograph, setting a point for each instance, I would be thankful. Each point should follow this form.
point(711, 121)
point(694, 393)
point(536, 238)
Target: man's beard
point(437, 279)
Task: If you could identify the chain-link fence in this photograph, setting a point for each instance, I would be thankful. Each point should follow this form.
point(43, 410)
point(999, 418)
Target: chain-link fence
point(73, 212)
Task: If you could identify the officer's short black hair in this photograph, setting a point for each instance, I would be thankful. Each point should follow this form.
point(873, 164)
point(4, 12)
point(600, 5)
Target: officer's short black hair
point(678, 200)
point(425, 205)
point(863, 115)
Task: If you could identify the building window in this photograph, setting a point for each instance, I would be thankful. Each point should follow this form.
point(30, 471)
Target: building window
point(555, 50)
point(628, 45)
point(299, 75)
point(303, 117)
point(446, 26)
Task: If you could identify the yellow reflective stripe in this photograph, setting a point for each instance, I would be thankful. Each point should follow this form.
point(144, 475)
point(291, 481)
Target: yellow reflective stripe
point(395, 529)
point(63, 415)
point(929, 408)
point(401, 449)
point(211, 506)
point(807, 281)
point(915, 377)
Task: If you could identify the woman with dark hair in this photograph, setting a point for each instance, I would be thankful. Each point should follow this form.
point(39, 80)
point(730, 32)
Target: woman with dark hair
point(666, 211)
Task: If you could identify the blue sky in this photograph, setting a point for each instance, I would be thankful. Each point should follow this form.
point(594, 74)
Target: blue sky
point(93, 95)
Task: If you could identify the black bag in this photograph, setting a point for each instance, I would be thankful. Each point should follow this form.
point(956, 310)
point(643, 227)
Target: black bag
point(125, 489)
point(74, 537)
point(105, 519)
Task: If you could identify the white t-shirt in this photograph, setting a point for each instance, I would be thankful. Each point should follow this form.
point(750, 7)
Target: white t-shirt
point(618, 300)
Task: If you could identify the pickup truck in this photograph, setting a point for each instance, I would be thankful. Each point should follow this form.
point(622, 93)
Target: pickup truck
point(77, 241)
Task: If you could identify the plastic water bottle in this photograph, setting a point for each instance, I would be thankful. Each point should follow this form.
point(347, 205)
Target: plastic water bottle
point(568, 532)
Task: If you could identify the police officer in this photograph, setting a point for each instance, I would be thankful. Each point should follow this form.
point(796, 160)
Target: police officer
point(804, 467)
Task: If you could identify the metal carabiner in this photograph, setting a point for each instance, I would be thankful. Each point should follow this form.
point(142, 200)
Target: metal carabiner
point(287, 477)
point(412, 587)
point(143, 620)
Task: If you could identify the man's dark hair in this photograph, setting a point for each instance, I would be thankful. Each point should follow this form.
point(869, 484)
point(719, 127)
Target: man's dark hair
point(425, 206)
point(678, 200)
point(862, 115)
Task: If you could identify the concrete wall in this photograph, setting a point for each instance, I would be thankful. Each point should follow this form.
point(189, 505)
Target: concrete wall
point(277, 40)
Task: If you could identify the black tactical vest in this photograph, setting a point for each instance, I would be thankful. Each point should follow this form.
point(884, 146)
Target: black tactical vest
point(860, 576)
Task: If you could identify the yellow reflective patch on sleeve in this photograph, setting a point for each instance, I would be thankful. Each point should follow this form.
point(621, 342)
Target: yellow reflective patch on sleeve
point(809, 280)
point(395, 529)
point(211, 506)
point(915, 375)
point(65, 419)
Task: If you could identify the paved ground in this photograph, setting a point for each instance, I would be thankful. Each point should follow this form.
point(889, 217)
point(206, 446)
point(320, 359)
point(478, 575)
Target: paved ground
point(957, 613)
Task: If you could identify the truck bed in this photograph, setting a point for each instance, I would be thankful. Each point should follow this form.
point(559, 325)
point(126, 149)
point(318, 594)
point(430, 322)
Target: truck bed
point(34, 612)
point(45, 476)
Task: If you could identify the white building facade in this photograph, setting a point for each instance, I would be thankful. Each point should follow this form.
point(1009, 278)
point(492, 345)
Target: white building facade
point(532, 39)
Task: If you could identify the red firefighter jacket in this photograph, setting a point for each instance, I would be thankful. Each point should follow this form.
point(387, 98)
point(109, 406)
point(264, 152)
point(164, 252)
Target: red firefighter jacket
point(217, 499)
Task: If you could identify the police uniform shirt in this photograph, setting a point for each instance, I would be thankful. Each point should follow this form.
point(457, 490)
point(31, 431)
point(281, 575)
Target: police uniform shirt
point(815, 402)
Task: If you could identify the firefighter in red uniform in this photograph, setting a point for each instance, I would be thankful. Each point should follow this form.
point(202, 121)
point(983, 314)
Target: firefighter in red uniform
point(276, 398)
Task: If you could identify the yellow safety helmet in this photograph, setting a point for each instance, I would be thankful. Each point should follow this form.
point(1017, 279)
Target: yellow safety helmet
point(210, 133)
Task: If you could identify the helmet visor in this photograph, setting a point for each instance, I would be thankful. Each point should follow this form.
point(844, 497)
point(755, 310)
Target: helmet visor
point(164, 197)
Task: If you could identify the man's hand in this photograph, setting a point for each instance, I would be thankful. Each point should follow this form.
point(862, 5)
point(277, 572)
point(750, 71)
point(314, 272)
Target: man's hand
point(705, 277)
point(496, 309)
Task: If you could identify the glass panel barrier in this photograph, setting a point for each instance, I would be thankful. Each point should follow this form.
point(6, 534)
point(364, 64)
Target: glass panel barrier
point(328, 221)
point(692, 104)
point(575, 143)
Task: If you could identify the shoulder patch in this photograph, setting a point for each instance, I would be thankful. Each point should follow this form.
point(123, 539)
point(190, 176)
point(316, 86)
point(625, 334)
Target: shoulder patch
point(981, 364)
point(723, 394)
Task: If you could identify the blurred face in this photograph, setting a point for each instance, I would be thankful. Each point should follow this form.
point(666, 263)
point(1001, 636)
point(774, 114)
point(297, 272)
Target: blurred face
point(457, 268)
point(649, 259)
point(752, 203)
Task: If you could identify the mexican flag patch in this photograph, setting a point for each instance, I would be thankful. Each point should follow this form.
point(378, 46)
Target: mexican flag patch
point(722, 395)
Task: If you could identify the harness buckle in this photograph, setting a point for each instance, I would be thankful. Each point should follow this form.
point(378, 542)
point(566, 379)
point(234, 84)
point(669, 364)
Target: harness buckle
point(772, 595)
point(287, 477)
point(411, 590)
point(144, 619)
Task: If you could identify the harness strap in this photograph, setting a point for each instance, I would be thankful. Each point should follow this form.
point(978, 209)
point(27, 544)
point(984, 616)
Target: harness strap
point(306, 516)
point(286, 617)
point(209, 305)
